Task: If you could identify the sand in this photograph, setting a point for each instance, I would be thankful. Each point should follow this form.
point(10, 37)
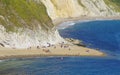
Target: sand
point(73, 50)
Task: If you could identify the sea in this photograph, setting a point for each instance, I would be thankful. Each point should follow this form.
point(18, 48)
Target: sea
point(103, 35)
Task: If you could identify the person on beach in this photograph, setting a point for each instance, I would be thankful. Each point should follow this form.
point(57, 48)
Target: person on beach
point(69, 49)
point(29, 48)
point(38, 47)
point(62, 42)
point(48, 44)
point(46, 50)
point(54, 47)
point(61, 58)
point(13, 48)
point(88, 51)
point(65, 46)
point(43, 46)
point(61, 46)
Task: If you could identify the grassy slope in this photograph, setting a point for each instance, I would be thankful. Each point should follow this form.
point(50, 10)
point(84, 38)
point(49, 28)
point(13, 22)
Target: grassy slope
point(23, 13)
point(114, 3)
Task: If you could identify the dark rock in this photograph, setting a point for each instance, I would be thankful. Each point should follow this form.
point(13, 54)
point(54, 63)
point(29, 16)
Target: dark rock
point(75, 42)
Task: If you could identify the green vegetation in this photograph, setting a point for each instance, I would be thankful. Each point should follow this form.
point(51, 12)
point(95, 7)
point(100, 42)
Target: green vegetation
point(114, 3)
point(79, 1)
point(23, 13)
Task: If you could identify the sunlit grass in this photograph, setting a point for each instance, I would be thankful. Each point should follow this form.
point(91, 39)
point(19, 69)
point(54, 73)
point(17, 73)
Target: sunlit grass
point(23, 13)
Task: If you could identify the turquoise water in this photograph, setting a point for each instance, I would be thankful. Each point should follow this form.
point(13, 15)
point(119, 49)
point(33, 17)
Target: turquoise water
point(104, 35)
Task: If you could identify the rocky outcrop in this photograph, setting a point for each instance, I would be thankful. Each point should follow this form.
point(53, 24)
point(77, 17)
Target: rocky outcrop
point(75, 42)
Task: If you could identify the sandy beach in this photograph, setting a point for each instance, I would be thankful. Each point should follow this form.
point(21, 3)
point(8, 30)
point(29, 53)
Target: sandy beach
point(73, 50)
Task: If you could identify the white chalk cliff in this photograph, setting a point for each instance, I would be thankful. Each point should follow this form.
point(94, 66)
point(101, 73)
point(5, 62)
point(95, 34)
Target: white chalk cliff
point(77, 8)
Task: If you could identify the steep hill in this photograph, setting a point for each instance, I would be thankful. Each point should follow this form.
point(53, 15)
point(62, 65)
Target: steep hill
point(25, 23)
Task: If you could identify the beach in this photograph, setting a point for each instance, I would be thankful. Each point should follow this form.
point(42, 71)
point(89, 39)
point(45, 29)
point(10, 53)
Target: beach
point(73, 50)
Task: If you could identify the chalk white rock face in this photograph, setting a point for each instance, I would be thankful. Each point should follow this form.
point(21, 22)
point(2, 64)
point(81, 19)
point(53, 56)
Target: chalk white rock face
point(64, 8)
point(72, 8)
point(98, 7)
point(28, 38)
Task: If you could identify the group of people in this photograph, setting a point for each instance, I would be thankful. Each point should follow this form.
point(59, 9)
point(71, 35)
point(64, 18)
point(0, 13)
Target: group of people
point(45, 48)
point(62, 45)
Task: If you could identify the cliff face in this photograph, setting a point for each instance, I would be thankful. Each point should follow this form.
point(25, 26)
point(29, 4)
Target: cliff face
point(25, 23)
point(79, 8)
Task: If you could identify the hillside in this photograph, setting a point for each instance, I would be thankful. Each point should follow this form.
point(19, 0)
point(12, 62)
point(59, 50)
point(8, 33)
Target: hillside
point(25, 23)
point(114, 4)
point(25, 14)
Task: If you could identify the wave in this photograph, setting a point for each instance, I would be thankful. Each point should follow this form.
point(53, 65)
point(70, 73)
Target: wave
point(65, 25)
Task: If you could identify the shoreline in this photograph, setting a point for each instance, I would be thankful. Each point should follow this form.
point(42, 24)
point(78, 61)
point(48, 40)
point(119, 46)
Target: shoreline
point(7, 53)
point(39, 56)
point(59, 21)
